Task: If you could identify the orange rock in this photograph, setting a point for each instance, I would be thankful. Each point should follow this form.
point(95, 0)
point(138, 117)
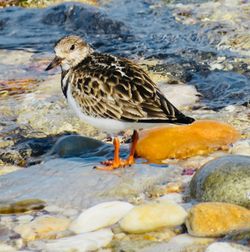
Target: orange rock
point(198, 138)
point(214, 219)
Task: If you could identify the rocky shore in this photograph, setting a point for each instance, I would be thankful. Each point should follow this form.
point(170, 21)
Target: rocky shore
point(190, 187)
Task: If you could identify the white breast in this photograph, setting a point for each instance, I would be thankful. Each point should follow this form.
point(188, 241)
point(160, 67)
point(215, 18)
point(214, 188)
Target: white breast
point(107, 125)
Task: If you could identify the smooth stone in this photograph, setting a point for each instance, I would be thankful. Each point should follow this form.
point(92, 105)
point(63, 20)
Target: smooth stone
point(226, 179)
point(73, 146)
point(226, 247)
point(100, 216)
point(241, 148)
point(176, 197)
point(180, 243)
point(180, 142)
point(8, 207)
point(214, 219)
point(153, 216)
point(82, 242)
point(180, 95)
point(83, 186)
point(7, 248)
point(43, 227)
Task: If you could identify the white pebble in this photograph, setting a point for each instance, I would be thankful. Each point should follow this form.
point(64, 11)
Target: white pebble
point(82, 242)
point(226, 247)
point(100, 216)
point(176, 197)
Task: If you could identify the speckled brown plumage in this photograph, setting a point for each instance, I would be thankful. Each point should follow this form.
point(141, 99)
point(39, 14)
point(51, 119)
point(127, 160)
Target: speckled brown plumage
point(106, 86)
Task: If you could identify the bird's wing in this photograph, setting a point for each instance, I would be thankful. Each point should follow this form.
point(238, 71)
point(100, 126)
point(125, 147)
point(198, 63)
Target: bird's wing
point(110, 87)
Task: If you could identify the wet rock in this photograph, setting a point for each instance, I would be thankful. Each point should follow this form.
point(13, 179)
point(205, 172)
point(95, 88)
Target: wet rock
point(240, 236)
point(100, 216)
point(153, 216)
point(226, 247)
point(216, 219)
point(181, 243)
point(9, 207)
point(44, 227)
point(84, 185)
point(225, 179)
point(83, 242)
point(199, 138)
point(73, 146)
point(37, 3)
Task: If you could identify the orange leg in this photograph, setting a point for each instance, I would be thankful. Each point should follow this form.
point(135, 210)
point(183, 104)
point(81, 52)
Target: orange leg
point(117, 162)
point(131, 157)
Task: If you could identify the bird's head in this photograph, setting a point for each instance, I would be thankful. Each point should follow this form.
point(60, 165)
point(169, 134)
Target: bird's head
point(70, 51)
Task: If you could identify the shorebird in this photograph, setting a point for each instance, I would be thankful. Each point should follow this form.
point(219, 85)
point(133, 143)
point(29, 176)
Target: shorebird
point(111, 93)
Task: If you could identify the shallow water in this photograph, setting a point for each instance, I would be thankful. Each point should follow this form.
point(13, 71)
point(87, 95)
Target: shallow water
point(133, 29)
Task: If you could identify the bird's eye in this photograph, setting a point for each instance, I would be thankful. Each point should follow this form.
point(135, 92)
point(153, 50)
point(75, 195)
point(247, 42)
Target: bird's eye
point(72, 47)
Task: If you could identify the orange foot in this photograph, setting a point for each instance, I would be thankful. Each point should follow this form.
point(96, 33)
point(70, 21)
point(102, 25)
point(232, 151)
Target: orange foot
point(110, 165)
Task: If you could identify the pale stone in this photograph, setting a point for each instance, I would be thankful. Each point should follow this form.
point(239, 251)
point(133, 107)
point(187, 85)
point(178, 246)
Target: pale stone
point(181, 95)
point(180, 243)
point(6, 248)
point(101, 215)
point(152, 216)
point(213, 219)
point(176, 197)
point(82, 242)
point(44, 227)
point(226, 247)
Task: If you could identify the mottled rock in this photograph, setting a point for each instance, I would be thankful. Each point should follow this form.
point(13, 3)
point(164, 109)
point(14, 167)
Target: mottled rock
point(225, 179)
point(214, 219)
point(153, 216)
point(44, 227)
point(82, 186)
point(9, 207)
point(100, 216)
point(180, 243)
point(226, 247)
point(82, 242)
point(199, 138)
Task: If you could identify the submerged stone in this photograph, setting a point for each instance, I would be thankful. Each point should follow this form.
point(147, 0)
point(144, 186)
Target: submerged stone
point(43, 227)
point(226, 179)
point(91, 241)
point(21, 206)
point(214, 219)
point(198, 138)
point(181, 243)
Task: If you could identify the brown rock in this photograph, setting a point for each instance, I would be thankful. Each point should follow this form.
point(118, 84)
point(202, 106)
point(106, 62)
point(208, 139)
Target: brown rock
point(214, 219)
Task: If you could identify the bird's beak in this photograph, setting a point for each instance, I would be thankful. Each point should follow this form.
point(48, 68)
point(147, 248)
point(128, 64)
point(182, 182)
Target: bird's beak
point(54, 63)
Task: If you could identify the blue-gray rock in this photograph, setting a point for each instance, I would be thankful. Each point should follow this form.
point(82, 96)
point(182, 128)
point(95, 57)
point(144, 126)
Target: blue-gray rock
point(226, 179)
point(73, 183)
